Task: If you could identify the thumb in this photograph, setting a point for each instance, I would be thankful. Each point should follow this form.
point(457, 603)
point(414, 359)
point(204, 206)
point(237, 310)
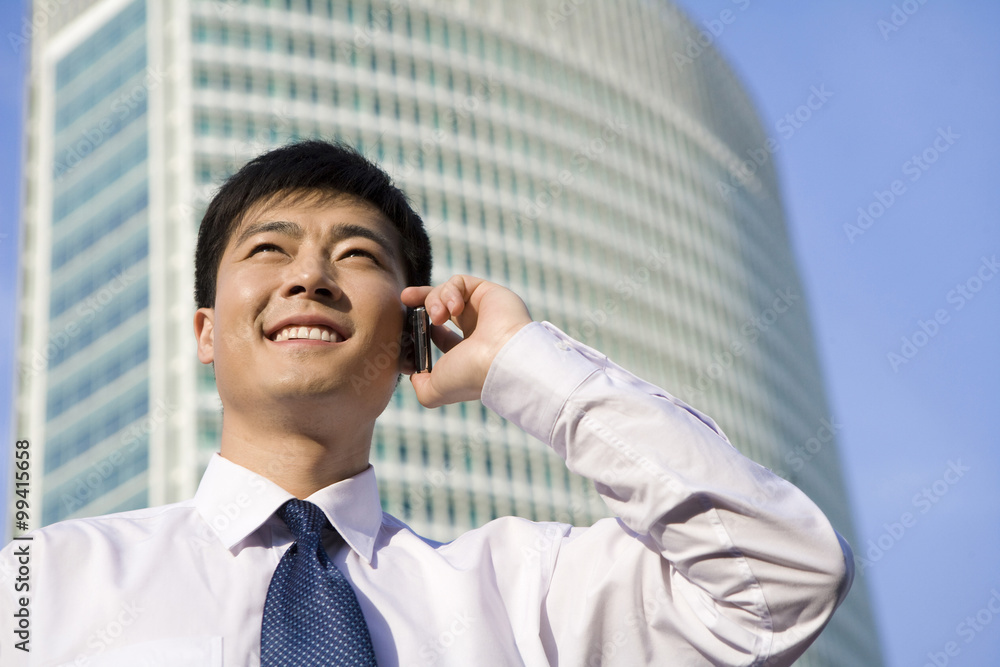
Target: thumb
point(428, 395)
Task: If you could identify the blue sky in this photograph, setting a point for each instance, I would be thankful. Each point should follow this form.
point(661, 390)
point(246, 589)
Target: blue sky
point(895, 92)
point(920, 438)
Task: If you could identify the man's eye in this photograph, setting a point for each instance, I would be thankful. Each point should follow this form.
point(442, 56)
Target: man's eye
point(358, 252)
point(264, 247)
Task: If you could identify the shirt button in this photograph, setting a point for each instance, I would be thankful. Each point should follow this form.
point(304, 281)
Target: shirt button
point(563, 345)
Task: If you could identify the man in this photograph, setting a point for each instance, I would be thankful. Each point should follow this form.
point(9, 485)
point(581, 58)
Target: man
point(306, 261)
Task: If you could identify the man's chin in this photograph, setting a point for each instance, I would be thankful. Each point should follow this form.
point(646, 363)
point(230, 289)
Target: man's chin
point(339, 389)
point(318, 389)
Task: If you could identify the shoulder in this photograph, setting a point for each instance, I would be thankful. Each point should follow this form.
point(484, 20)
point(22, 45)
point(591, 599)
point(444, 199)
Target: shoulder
point(118, 528)
point(504, 534)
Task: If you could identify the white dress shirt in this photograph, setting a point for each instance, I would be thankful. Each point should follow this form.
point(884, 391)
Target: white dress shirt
point(701, 567)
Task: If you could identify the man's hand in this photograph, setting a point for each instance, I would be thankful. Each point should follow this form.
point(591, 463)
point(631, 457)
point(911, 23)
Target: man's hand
point(488, 316)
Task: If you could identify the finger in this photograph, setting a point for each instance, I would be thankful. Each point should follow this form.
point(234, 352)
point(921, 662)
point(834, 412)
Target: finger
point(445, 338)
point(434, 390)
point(427, 393)
point(447, 300)
point(415, 295)
point(455, 293)
point(441, 300)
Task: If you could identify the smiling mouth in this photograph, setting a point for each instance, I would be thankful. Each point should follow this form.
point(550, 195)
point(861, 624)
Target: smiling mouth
point(296, 332)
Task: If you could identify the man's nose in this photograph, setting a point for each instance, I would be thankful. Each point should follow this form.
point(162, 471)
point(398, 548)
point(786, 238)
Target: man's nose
point(313, 275)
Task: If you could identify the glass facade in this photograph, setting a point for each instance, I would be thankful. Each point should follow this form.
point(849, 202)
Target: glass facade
point(559, 150)
point(97, 370)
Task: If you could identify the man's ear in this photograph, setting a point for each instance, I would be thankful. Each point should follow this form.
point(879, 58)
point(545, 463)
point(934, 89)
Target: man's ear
point(204, 333)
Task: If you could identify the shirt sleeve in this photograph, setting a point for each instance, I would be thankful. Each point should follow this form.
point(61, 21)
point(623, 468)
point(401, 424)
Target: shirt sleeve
point(712, 559)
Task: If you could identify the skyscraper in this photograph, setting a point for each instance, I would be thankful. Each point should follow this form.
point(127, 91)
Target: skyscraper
point(597, 158)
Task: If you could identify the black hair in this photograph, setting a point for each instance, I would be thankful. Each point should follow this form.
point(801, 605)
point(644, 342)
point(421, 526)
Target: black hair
point(302, 168)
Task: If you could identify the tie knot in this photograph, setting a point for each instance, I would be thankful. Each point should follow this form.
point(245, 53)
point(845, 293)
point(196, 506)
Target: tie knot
point(302, 517)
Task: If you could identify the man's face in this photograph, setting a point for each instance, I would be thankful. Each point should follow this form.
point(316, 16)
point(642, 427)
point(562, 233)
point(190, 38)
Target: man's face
point(307, 309)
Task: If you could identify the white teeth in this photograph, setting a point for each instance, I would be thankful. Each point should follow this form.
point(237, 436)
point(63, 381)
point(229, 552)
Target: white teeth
point(307, 333)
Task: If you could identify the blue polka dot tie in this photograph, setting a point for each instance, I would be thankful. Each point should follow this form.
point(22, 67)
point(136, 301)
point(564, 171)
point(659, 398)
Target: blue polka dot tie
point(311, 615)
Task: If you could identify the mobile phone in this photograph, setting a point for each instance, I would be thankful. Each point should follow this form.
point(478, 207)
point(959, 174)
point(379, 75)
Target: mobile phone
point(420, 338)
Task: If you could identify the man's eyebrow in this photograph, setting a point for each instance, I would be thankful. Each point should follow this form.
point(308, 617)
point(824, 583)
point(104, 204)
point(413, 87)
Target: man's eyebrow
point(338, 233)
point(280, 226)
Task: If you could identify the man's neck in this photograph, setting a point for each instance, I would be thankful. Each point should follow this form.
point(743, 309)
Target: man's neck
point(298, 461)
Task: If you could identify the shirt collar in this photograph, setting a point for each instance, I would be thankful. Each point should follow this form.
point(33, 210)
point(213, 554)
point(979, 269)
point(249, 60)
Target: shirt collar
point(353, 507)
point(235, 502)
